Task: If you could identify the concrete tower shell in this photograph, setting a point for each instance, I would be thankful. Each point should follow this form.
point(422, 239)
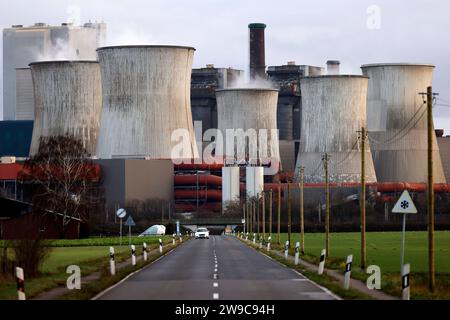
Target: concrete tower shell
point(146, 96)
point(230, 185)
point(254, 181)
point(397, 122)
point(333, 111)
point(249, 109)
point(68, 101)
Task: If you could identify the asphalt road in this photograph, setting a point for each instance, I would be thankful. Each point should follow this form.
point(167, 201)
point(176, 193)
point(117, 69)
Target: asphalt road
point(219, 268)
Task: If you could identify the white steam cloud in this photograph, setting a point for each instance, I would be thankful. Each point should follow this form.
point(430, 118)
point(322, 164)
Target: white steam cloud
point(244, 82)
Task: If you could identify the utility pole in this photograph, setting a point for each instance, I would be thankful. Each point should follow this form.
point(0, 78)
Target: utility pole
point(302, 210)
point(253, 216)
point(245, 216)
point(289, 212)
point(362, 137)
point(279, 215)
point(270, 212)
point(264, 215)
point(430, 192)
point(247, 205)
point(325, 159)
point(257, 216)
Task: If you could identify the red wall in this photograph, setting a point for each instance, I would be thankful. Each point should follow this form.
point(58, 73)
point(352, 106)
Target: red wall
point(30, 226)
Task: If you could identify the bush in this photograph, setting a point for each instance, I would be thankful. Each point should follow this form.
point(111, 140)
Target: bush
point(6, 264)
point(29, 255)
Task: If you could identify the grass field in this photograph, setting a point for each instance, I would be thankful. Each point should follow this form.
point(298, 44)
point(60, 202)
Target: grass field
point(89, 258)
point(383, 248)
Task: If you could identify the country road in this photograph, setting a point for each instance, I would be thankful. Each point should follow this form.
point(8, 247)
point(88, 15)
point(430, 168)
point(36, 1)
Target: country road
point(219, 268)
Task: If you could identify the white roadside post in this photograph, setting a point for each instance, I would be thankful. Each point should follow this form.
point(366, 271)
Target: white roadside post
point(286, 249)
point(268, 243)
point(173, 239)
point(112, 262)
point(160, 245)
point(133, 255)
point(297, 246)
point(254, 238)
point(181, 238)
point(144, 251)
point(322, 261)
point(348, 271)
point(20, 279)
point(261, 243)
point(405, 282)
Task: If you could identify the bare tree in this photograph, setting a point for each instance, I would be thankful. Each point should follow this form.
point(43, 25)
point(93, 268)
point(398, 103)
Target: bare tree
point(63, 180)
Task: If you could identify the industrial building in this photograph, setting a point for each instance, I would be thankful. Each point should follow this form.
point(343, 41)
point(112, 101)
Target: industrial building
point(286, 78)
point(397, 122)
point(68, 101)
point(126, 180)
point(444, 151)
point(204, 83)
point(146, 97)
point(334, 110)
point(248, 109)
point(25, 44)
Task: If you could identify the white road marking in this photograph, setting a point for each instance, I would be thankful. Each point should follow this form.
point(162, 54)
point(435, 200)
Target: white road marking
point(215, 270)
point(216, 265)
point(299, 279)
point(215, 275)
point(215, 284)
point(215, 296)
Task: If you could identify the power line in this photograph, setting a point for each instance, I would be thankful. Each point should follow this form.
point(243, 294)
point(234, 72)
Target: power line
point(393, 138)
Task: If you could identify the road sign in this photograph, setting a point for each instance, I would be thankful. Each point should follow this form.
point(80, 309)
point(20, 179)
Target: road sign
point(130, 222)
point(121, 213)
point(404, 204)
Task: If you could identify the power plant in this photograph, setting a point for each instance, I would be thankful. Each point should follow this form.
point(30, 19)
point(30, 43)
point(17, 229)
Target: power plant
point(68, 101)
point(146, 97)
point(135, 108)
point(397, 123)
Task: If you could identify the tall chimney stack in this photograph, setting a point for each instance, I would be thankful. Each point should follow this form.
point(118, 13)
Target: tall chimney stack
point(333, 67)
point(257, 51)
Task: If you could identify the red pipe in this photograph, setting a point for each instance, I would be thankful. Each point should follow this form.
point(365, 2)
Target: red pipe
point(192, 180)
point(198, 166)
point(201, 194)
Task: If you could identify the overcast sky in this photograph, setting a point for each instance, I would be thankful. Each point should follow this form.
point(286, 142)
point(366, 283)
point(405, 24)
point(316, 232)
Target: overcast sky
point(308, 32)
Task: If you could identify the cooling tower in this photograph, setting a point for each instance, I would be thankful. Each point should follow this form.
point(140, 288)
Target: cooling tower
point(333, 111)
point(397, 122)
point(230, 185)
point(254, 181)
point(68, 100)
point(248, 112)
point(146, 97)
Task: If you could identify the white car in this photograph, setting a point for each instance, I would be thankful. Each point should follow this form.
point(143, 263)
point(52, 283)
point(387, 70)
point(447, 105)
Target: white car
point(202, 233)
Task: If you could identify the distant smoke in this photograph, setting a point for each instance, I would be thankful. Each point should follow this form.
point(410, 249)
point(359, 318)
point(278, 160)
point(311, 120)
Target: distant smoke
point(244, 82)
point(74, 14)
point(130, 35)
point(60, 50)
